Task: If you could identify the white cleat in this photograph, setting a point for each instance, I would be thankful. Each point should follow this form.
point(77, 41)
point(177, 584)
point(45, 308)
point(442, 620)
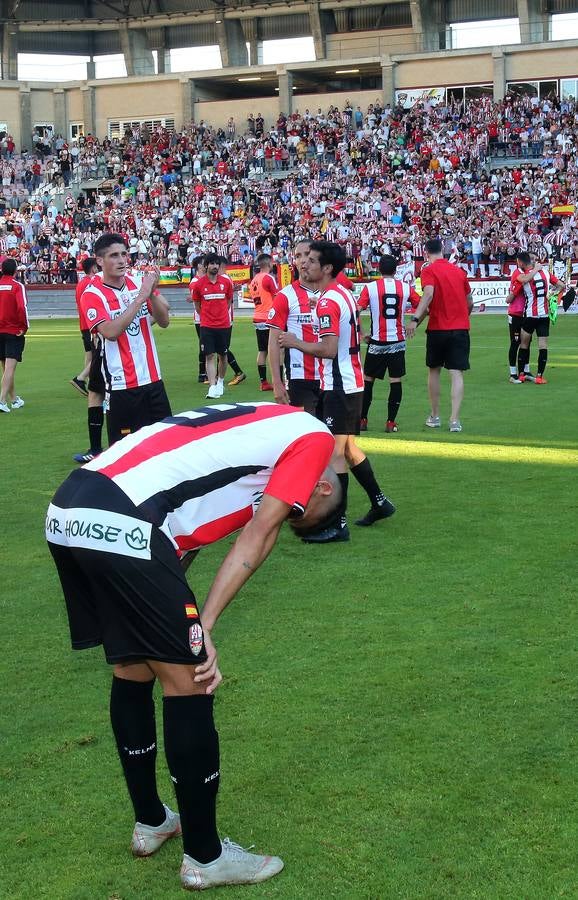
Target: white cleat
point(17, 403)
point(213, 392)
point(146, 839)
point(234, 866)
point(4, 407)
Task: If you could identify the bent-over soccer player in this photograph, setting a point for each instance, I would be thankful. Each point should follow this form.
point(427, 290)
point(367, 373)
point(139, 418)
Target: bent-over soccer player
point(118, 530)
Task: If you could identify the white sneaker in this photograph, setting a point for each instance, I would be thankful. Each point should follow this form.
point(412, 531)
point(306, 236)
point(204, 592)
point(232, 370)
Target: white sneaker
point(234, 866)
point(17, 403)
point(455, 426)
point(433, 422)
point(220, 387)
point(4, 407)
point(146, 839)
point(213, 392)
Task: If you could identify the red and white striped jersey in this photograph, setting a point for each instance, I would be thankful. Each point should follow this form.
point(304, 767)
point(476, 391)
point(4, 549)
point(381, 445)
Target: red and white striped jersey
point(536, 294)
point(294, 310)
point(388, 299)
point(78, 292)
point(199, 476)
point(337, 314)
point(130, 361)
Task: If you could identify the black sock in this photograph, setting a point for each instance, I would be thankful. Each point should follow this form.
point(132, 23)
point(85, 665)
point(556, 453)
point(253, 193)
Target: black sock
point(342, 511)
point(542, 360)
point(192, 751)
point(262, 370)
point(523, 358)
point(367, 398)
point(364, 475)
point(233, 363)
point(513, 353)
point(282, 373)
point(132, 714)
point(95, 423)
point(394, 400)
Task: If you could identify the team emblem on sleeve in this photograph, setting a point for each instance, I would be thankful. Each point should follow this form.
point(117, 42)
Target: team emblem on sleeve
point(324, 321)
point(271, 313)
point(91, 314)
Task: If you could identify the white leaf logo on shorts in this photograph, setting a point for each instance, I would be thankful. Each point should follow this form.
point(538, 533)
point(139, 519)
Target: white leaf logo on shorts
point(91, 314)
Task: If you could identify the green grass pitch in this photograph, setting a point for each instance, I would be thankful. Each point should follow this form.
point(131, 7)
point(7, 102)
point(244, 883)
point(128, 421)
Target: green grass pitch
point(398, 714)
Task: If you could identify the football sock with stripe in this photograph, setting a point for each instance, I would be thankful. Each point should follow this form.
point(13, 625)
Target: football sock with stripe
point(95, 423)
point(132, 714)
point(363, 472)
point(367, 398)
point(394, 400)
point(542, 361)
point(192, 751)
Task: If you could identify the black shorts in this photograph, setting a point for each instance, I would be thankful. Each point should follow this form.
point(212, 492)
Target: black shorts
point(134, 408)
point(86, 335)
point(262, 339)
point(215, 340)
point(11, 346)
point(95, 376)
point(539, 325)
point(341, 412)
point(515, 326)
point(305, 393)
point(377, 365)
point(450, 349)
point(132, 597)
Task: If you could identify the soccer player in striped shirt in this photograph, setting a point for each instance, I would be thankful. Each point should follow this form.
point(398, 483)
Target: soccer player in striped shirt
point(537, 284)
point(387, 299)
point(116, 529)
point(121, 308)
point(341, 382)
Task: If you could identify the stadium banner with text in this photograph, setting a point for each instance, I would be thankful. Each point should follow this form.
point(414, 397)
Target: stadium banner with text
point(407, 99)
point(489, 291)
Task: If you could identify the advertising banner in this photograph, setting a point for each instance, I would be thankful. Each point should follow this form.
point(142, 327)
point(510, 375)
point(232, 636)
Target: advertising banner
point(411, 96)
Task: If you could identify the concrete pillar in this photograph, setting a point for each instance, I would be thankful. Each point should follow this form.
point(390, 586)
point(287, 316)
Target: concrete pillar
point(388, 81)
point(534, 22)
point(89, 110)
point(25, 119)
point(285, 91)
point(60, 117)
point(499, 66)
point(91, 69)
point(317, 29)
point(138, 57)
point(164, 61)
point(425, 25)
point(10, 52)
point(231, 42)
point(187, 101)
point(251, 33)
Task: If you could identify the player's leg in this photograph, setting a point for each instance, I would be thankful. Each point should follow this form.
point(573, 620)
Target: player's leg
point(368, 385)
point(434, 360)
point(514, 326)
point(132, 716)
point(95, 409)
point(542, 331)
point(211, 368)
point(396, 371)
point(457, 362)
point(202, 377)
point(238, 374)
point(456, 393)
point(524, 352)
point(7, 383)
point(362, 470)
point(433, 386)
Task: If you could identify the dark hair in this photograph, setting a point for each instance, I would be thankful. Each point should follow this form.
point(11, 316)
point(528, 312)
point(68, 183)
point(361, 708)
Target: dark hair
point(524, 258)
point(211, 258)
point(9, 266)
point(107, 240)
point(88, 264)
point(387, 265)
point(264, 258)
point(434, 245)
point(330, 255)
point(198, 261)
point(303, 240)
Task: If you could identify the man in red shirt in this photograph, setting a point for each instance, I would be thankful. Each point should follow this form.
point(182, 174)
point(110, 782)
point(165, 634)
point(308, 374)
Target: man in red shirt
point(89, 268)
point(213, 298)
point(262, 289)
point(13, 327)
point(448, 299)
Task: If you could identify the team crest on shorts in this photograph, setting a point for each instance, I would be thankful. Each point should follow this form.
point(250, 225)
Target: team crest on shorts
point(196, 639)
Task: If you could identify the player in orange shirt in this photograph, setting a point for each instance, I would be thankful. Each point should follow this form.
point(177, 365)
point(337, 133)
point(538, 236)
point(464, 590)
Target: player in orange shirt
point(262, 289)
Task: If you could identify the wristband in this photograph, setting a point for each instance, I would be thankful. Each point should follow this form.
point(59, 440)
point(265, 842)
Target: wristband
point(415, 319)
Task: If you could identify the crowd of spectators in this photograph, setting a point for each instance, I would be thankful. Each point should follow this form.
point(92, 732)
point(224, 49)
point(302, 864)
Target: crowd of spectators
point(378, 180)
